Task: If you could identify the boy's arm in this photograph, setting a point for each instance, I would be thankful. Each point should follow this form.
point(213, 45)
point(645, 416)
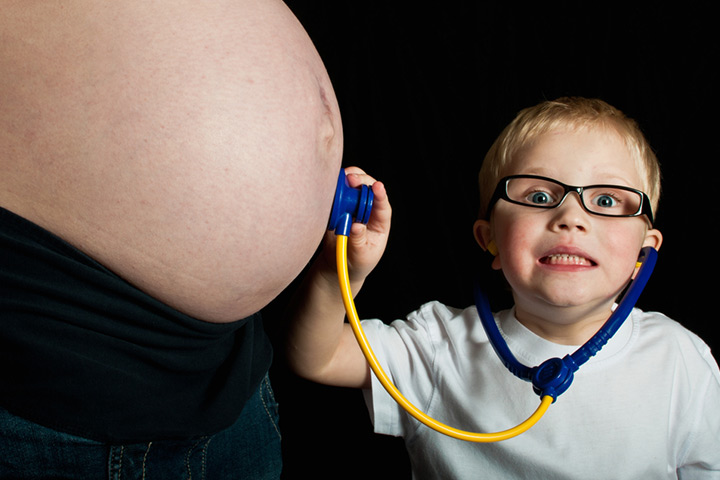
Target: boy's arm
point(320, 345)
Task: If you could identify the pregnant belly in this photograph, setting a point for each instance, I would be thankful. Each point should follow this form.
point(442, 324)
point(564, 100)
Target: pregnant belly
point(191, 148)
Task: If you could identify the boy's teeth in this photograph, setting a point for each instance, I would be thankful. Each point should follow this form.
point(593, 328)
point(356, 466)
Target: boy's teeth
point(564, 259)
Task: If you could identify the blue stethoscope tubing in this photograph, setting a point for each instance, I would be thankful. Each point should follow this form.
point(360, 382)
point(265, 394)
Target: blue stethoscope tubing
point(554, 376)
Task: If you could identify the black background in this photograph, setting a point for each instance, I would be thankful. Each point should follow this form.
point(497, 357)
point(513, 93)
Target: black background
point(424, 90)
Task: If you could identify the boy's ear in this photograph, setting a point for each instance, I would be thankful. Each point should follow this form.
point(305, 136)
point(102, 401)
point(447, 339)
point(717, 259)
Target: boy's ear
point(653, 238)
point(484, 238)
point(483, 234)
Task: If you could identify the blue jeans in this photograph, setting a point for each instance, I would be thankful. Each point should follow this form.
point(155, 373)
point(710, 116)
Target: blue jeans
point(250, 449)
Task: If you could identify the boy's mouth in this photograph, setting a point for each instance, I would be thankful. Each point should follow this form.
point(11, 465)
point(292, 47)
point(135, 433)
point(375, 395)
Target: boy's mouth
point(566, 259)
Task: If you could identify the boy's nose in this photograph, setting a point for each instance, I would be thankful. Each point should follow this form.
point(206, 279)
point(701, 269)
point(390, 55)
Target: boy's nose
point(571, 215)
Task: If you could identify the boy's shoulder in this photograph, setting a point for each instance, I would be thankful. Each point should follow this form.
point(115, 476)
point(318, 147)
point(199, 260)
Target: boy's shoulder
point(657, 331)
point(435, 314)
point(435, 309)
point(659, 324)
point(433, 321)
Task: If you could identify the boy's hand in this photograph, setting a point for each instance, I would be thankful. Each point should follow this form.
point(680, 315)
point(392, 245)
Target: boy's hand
point(366, 243)
point(320, 346)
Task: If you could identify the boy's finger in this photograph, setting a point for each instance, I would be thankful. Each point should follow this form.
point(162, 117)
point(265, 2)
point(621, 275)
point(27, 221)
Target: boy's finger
point(357, 177)
point(381, 212)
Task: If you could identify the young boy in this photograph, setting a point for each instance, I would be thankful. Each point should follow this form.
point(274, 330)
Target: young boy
point(646, 406)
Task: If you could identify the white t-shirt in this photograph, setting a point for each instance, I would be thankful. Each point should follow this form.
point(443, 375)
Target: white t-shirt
point(647, 406)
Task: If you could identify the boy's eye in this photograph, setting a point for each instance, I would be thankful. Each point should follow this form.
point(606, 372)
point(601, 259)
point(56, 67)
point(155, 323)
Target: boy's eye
point(540, 198)
point(605, 201)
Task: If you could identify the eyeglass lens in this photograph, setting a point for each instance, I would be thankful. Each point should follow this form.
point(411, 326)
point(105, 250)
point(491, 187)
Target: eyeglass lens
point(605, 200)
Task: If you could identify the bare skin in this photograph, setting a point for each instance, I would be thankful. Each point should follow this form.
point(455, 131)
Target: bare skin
point(191, 147)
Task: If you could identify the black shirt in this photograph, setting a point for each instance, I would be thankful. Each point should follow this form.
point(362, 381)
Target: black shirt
point(84, 352)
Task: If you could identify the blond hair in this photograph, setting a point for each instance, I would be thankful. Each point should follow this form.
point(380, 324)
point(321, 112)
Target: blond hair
point(566, 113)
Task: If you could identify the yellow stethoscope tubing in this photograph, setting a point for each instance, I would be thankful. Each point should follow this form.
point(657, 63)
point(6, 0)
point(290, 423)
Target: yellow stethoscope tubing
point(354, 320)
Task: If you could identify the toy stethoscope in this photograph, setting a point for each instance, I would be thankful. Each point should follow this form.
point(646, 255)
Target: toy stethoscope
point(549, 380)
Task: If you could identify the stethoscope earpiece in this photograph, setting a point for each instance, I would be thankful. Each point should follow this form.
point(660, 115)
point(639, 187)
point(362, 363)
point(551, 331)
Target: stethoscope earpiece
point(492, 248)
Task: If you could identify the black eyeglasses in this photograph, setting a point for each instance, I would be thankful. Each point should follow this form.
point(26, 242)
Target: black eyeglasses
point(542, 192)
